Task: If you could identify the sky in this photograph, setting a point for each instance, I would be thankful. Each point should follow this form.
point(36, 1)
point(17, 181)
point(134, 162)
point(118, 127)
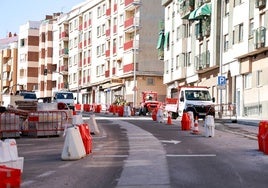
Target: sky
point(14, 13)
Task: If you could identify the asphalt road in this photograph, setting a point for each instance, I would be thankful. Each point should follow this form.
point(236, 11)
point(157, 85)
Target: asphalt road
point(139, 152)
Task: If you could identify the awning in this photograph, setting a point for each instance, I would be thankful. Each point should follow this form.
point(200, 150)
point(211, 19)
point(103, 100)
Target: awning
point(192, 14)
point(166, 44)
point(203, 11)
point(160, 43)
point(200, 12)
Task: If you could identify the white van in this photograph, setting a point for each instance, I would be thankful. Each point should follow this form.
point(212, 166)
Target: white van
point(66, 97)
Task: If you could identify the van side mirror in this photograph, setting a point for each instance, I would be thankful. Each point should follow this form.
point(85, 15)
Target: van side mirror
point(181, 99)
point(213, 99)
point(74, 98)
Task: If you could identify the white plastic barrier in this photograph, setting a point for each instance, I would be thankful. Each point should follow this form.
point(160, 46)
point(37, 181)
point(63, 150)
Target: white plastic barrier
point(93, 124)
point(209, 126)
point(160, 115)
point(127, 111)
point(191, 116)
point(73, 148)
point(9, 154)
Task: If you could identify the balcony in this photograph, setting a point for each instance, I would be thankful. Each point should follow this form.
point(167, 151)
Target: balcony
point(107, 53)
point(88, 61)
point(260, 3)
point(130, 45)
point(115, 7)
point(107, 74)
point(64, 36)
point(7, 53)
point(113, 71)
point(259, 37)
point(80, 45)
point(202, 61)
point(114, 50)
point(186, 6)
point(6, 68)
point(130, 24)
point(166, 2)
point(115, 29)
point(63, 69)
point(108, 33)
point(108, 12)
point(131, 4)
point(80, 27)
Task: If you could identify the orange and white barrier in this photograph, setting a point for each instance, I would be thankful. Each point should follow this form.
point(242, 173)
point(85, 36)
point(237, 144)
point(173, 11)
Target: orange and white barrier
point(196, 129)
point(209, 126)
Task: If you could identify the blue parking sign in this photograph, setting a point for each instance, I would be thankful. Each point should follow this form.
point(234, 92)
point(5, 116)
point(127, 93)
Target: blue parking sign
point(221, 80)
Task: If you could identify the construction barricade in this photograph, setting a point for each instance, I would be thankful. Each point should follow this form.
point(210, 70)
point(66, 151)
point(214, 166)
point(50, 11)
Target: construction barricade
point(9, 125)
point(263, 136)
point(9, 177)
point(46, 123)
point(9, 154)
point(209, 126)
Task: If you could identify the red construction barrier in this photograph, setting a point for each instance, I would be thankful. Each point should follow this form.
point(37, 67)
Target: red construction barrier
point(9, 125)
point(77, 107)
point(120, 111)
point(98, 108)
point(86, 137)
point(10, 177)
point(45, 123)
point(154, 113)
point(263, 129)
point(86, 107)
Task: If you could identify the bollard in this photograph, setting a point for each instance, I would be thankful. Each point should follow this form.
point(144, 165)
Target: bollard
point(191, 118)
point(160, 115)
point(263, 128)
point(209, 126)
point(196, 129)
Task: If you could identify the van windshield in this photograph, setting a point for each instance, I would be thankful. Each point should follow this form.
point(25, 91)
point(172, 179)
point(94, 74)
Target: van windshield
point(64, 96)
point(29, 95)
point(197, 95)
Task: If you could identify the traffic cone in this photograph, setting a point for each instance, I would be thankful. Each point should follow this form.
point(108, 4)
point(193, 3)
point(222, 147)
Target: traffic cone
point(169, 122)
point(196, 130)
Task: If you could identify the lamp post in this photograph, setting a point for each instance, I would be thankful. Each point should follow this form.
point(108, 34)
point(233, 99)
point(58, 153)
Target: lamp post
point(136, 4)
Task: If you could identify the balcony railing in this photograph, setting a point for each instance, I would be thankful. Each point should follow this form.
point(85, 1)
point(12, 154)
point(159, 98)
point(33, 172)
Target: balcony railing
point(259, 37)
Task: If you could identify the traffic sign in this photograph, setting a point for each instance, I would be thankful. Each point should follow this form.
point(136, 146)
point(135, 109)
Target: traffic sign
point(221, 80)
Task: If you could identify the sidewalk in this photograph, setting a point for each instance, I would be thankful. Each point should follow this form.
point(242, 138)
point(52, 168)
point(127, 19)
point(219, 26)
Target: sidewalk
point(245, 127)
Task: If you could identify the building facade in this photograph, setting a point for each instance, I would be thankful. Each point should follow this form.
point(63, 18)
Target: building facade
point(107, 50)
point(210, 44)
point(8, 62)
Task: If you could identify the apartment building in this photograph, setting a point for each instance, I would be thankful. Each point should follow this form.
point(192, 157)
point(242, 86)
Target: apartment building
point(107, 50)
point(208, 40)
point(8, 62)
point(28, 56)
point(47, 43)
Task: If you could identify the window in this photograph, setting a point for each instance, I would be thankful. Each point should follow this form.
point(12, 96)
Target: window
point(226, 42)
point(98, 50)
point(226, 8)
point(166, 66)
point(251, 27)
point(177, 62)
point(22, 42)
point(248, 80)
point(240, 32)
point(121, 42)
point(99, 12)
point(98, 31)
point(150, 81)
point(121, 19)
point(259, 76)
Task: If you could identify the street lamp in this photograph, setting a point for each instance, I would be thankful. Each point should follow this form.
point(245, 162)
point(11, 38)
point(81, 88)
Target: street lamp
point(136, 4)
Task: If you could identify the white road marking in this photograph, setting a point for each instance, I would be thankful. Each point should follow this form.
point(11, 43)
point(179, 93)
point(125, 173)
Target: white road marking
point(191, 155)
